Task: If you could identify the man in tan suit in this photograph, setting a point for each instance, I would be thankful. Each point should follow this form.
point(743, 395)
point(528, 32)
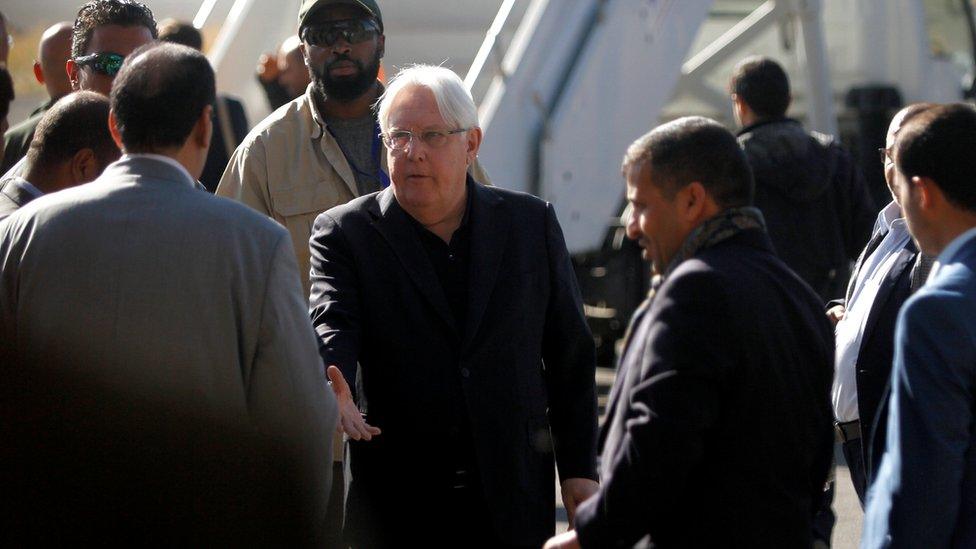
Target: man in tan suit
point(150, 291)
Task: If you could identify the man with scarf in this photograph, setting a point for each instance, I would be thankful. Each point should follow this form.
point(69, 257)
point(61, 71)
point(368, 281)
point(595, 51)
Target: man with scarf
point(718, 428)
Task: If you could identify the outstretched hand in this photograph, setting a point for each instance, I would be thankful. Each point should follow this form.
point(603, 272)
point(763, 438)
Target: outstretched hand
point(351, 420)
point(576, 491)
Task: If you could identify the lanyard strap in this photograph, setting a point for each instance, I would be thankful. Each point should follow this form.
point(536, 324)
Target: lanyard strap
point(376, 149)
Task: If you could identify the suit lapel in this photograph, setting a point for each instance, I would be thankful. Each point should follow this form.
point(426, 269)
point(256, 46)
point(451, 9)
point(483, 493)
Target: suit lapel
point(489, 233)
point(901, 267)
point(625, 367)
point(393, 224)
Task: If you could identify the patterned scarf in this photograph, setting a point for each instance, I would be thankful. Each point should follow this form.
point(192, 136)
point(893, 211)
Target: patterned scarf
point(723, 226)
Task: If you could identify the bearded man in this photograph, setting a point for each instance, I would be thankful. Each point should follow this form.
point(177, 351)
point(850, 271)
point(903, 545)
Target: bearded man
point(322, 149)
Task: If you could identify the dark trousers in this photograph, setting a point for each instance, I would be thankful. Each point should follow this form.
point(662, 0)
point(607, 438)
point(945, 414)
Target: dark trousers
point(333, 520)
point(855, 463)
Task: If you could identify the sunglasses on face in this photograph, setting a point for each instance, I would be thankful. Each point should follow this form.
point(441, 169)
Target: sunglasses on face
point(353, 31)
point(102, 63)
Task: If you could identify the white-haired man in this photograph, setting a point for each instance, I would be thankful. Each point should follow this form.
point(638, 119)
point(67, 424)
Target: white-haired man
point(460, 306)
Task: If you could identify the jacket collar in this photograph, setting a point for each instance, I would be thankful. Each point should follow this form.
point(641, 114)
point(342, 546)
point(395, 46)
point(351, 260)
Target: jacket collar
point(765, 122)
point(489, 235)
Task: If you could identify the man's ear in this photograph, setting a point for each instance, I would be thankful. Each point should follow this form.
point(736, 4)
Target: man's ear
point(203, 129)
point(693, 202)
point(929, 194)
point(38, 73)
point(381, 46)
point(113, 128)
point(72, 69)
point(474, 137)
point(84, 166)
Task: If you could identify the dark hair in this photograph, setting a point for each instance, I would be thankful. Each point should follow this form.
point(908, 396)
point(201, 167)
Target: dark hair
point(6, 92)
point(763, 85)
point(97, 13)
point(692, 149)
point(77, 121)
point(937, 143)
point(159, 95)
point(180, 32)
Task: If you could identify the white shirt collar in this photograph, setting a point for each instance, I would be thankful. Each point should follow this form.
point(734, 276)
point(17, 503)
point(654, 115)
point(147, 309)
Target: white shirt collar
point(888, 216)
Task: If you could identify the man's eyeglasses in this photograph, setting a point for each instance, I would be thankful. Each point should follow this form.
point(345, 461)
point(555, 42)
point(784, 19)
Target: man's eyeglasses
point(102, 63)
point(353, 31)
point(397, 140)
point(885, 154)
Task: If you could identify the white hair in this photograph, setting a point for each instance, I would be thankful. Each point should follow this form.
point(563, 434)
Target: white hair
point(454, 101)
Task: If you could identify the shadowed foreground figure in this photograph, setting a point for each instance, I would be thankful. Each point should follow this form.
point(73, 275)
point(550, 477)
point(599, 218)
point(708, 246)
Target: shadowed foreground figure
point(187, 387)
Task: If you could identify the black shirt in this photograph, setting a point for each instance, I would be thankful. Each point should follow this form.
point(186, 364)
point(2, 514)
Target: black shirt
point(450, 262)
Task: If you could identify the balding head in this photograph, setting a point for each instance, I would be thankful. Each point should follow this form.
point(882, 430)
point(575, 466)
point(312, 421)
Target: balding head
point(161, 103)
point(53, 51)
point(292, 72)
point(72, 144)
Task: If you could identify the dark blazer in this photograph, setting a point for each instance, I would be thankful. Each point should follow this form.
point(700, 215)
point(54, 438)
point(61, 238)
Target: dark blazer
point(217, 155)
point(876, 354)
point(522, 366)
point(17, 139)
point(12, 197)
point(718, 429)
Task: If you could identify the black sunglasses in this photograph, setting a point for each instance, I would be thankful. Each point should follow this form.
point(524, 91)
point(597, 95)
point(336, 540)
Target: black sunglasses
point(353, 31)
point(102, 62)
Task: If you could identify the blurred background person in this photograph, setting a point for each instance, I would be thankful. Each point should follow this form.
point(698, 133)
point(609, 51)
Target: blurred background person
point(72, 145)
point(816, 205)
point(4, 42)
point(103, 34)
point(53, 53)
point(283, 75)
point(230, 122)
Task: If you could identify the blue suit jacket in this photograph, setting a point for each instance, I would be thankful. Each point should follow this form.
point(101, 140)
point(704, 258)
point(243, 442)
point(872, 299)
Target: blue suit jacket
point(925, 492)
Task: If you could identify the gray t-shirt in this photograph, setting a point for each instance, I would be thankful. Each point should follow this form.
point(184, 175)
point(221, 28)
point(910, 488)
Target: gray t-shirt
point(355, 137)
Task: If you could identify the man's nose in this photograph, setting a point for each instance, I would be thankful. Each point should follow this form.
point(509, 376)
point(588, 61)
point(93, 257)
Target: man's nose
point(633, 229)
point(341, 45)
point(415, 148)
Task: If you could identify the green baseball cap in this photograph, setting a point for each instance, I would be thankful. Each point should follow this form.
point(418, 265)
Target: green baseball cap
point(309, 7)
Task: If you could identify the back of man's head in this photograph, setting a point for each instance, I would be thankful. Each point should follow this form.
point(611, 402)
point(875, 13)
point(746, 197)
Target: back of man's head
point(693, 149)
point(97, 13)
point(53, 50)
point(76, 122)
point(159, 96)
point(937, 143)
point(763, 85)
point(180, 32)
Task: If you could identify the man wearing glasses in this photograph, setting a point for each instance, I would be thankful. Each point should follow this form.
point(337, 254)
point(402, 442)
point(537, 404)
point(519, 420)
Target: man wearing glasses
point(323, 148)
point(459, 305)
point(887, 272)
point(105, 31)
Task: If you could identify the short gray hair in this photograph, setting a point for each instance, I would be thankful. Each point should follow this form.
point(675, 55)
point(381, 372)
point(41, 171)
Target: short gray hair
point(454, 101)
